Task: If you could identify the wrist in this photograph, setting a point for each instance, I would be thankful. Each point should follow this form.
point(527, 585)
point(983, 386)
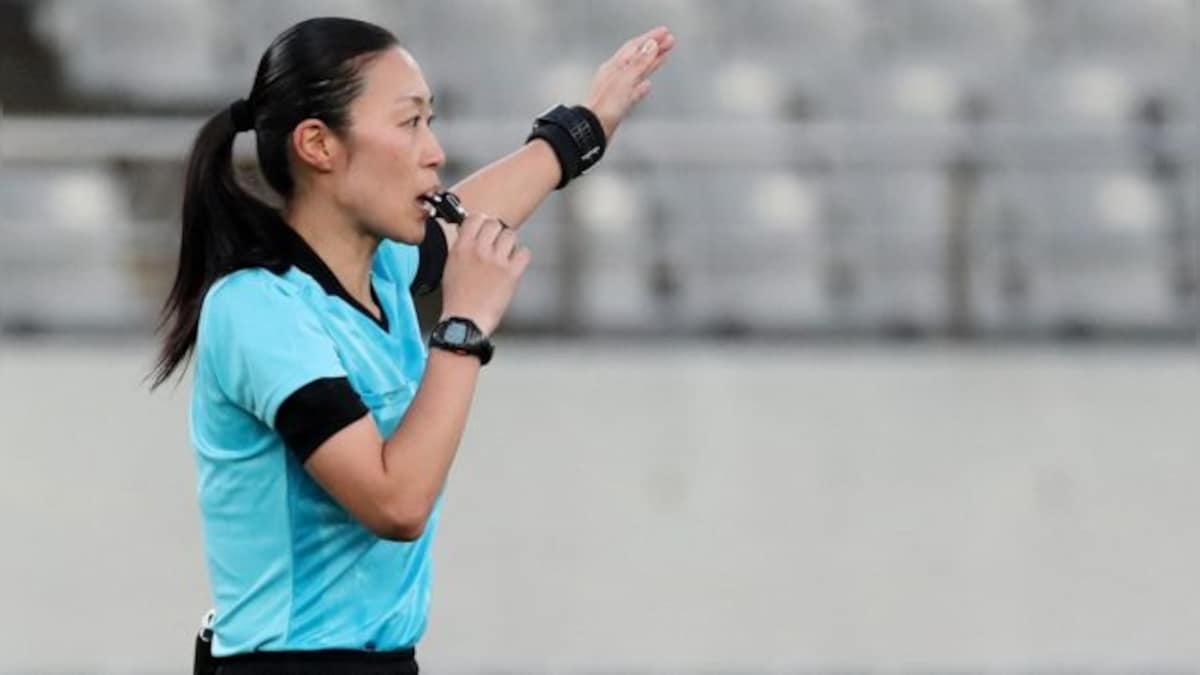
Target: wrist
point(467, 362)
point(462, 336)
point(577, 137)
point(608, 124)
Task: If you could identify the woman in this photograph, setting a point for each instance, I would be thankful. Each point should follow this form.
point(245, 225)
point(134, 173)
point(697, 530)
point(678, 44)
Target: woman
point(323, 429)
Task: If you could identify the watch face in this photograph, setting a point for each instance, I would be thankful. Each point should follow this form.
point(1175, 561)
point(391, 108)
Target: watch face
point(456, 333)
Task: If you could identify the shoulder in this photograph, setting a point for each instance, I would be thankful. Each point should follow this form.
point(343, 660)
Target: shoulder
point(255, 283)
point(261, 338)
point(250, 298)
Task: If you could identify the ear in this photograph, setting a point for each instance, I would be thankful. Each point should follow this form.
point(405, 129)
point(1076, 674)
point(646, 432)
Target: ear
point(315, 144)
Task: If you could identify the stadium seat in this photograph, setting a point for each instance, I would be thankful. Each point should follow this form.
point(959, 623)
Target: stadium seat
point(1101, 252)
point(614, 251)
point(903, 262)
point(65, 251)
point(161, 52)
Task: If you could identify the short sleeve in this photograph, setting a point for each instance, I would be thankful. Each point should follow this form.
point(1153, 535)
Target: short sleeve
point(263, 343)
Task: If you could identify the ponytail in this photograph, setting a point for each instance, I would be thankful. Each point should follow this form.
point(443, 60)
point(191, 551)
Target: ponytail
point(224, 229)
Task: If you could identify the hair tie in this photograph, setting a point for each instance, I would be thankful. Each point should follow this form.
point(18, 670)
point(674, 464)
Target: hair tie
point(242, 115)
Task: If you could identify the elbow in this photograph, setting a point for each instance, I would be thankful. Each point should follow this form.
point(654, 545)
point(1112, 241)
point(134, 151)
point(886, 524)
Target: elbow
point(401, 523)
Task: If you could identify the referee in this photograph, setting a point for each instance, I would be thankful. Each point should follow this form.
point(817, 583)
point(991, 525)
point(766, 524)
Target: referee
point(323, 429)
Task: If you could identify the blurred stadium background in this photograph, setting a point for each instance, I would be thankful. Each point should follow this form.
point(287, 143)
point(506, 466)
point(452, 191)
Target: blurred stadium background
point(935, 269)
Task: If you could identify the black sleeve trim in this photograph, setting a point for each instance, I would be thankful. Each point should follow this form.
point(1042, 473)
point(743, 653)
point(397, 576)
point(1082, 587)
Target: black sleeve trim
point(315, 412)
point(432, 255)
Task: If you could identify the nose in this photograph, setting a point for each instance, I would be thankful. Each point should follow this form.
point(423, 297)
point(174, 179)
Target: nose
point(432, 155)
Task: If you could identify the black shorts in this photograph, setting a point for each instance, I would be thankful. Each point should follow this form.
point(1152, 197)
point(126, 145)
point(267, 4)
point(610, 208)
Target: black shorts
point(325, 662)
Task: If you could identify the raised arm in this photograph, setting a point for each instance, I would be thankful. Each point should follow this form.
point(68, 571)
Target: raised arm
point(512, 187)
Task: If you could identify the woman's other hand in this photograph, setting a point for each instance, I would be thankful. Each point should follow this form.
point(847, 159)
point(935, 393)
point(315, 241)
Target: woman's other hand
point(484, 265)
point(622, 81)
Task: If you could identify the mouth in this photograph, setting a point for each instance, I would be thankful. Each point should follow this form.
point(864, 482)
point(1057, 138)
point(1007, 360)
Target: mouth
point(444, 205)
point(426, 201)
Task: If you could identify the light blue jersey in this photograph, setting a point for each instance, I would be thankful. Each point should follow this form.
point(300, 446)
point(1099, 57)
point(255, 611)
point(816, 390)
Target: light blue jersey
point(290, 568)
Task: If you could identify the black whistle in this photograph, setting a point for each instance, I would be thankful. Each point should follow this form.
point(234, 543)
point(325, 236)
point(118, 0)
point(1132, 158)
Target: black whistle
point(448, 207)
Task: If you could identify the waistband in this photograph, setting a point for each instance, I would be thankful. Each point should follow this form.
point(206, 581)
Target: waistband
point(313, 662)
point(328, 661)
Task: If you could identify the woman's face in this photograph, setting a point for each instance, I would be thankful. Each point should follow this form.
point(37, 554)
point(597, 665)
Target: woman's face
point(391, 156)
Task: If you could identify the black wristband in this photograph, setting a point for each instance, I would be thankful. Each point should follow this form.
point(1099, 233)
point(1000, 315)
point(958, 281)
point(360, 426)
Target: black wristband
point(564, 149)
point(576, 136)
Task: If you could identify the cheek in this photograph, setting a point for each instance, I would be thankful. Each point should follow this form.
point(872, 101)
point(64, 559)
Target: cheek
point(381, 182)
point(380, 172)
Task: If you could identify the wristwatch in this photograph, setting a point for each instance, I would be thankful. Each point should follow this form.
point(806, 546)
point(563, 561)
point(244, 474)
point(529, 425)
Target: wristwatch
point(461, 336)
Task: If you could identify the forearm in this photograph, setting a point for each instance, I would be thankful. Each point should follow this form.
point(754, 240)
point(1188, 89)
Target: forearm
point(418, 456)
point(512, 187)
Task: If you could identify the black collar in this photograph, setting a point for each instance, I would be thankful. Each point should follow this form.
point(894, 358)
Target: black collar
point(298, 253)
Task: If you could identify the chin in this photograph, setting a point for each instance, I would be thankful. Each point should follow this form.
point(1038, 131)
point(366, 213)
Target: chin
point(417, 235)
point(405, 233)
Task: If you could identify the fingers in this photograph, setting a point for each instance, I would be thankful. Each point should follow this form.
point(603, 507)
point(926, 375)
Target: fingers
point(667, 43)
point(630, 51)
point(469, 230)
point(506, 243)
point(657, 34)
point(649, 55)
point(653, 56)
point(647, 52)
point(621, 82)
point(493, 238)
point(489, 232)
point(664, 47)
point(521, 259)
point(480, 227)
point(627, 50)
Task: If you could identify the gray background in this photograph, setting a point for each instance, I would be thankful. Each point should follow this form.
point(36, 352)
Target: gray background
point(870, 347)
point(646, 509)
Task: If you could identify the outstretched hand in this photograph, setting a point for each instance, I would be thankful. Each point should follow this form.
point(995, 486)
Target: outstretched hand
point(622, 81)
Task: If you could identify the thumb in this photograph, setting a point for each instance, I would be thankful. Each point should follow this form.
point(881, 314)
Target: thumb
point(641, 90)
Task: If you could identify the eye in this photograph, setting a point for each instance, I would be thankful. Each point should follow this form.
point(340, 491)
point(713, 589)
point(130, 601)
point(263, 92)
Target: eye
point(412, 122)
point(431, 119)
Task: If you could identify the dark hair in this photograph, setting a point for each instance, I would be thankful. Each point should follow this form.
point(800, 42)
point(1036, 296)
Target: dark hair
point(311, 71)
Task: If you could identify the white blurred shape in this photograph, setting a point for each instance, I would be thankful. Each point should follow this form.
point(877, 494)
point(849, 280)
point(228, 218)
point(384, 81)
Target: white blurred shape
point(608, 203)
point(748, 88)
point(84, 201)
point(1128, 202)
point(567, 81)
point(1097, 92)
point(923, 91)
point(44, 203)
point(783, 201)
